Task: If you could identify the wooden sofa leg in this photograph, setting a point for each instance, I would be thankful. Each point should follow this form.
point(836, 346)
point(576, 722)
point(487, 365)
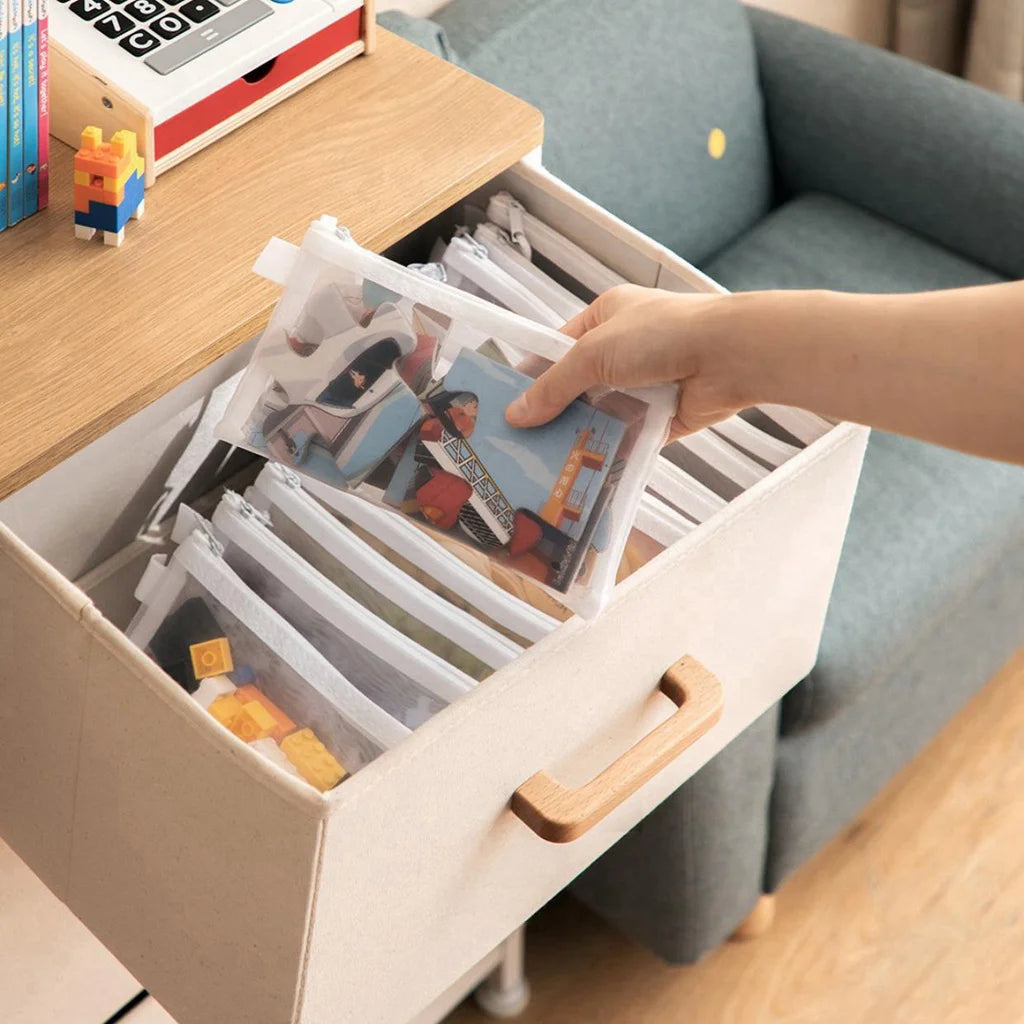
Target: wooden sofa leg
point(758, 921)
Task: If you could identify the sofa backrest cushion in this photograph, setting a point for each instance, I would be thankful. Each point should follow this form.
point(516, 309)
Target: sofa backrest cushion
point(652, 107)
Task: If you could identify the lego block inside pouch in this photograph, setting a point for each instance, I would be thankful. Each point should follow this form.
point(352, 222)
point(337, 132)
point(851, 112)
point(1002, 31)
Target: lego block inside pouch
point(406, 680)
point(191, 624)
point(194, 608)
point(375, 378)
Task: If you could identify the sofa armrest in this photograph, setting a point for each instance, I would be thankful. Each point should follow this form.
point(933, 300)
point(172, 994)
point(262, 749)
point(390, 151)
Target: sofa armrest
point(921, 148)
point(421, 31)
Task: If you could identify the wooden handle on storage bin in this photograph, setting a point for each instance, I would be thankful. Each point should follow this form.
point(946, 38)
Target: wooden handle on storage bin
point(560, 814)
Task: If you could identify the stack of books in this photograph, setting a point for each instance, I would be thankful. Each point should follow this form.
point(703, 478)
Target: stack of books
point(24, 109)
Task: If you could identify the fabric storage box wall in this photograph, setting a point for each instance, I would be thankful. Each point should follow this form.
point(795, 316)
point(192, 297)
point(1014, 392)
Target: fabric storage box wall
point(236, 893)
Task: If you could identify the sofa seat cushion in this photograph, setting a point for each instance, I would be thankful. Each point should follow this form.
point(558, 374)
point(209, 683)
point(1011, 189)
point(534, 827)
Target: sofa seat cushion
point(928, 528)
point(819, 241)
point(631, 95)
point(928, 525)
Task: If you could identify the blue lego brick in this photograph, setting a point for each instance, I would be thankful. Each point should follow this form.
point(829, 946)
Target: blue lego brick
point(104, 217)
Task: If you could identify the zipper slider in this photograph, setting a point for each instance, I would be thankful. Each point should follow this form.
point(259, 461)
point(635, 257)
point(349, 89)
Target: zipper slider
point(516, 230)
point(432, 271)
point(243, 508)
point(203, 533)
point(287, 477)
point(344, 234)
point(477, 249)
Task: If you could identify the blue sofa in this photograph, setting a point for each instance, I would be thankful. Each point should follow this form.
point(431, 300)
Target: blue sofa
point(847, 168)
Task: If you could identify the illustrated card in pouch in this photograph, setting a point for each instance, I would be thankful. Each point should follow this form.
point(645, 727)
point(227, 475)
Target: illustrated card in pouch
point(374, 378)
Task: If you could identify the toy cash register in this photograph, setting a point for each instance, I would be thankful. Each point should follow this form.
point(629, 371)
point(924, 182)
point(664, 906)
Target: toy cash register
point(182, 73)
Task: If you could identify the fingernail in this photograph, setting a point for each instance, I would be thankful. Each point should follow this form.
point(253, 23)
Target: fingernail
point(517, 410)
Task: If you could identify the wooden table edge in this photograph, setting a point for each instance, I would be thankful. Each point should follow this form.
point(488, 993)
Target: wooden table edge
point(152, 389)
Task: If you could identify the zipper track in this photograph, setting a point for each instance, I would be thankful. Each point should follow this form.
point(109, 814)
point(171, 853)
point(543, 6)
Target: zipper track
point(505, 255)
point(410, 595)
point(727, 460)
point(567, 255)
point(755, 442)
point(661, 523)
point(678, 488)
point(323, 241)
point(425, 553)
point(488, 276)
point(424, 668)
point(357, 710)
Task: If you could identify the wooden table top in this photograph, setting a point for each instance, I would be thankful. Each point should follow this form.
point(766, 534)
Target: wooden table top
point(90, 334)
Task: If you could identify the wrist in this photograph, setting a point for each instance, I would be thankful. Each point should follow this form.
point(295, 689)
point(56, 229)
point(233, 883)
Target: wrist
point(756, 347)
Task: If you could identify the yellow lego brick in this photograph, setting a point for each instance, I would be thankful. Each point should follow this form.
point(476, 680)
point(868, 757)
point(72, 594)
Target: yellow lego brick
point(314, 761)
point(248, 720)
point(254, 723)
point(125, 145)
point(83, 178)
point(212, 658)
point(92, 137)
point(114, 161)
point(226, 709)
point(282, 723)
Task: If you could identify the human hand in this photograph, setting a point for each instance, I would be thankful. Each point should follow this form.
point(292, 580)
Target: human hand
point(631, 337)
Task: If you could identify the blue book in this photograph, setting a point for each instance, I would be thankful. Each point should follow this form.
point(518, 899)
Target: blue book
point(30, 106)
point(15, 114)
point(4, 17)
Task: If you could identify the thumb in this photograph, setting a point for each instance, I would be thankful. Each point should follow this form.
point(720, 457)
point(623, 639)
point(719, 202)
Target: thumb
point(554, 389)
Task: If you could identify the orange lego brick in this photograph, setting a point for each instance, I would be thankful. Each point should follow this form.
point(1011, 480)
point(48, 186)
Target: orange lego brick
point(283, 725)
point(254, 723)
point(226, 709)
point(248, 721)
point(211, 658)
point(313, 760)
point(116, 160)
point(100, 194)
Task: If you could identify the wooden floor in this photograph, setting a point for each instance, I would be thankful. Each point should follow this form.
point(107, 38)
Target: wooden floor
point(914, 915)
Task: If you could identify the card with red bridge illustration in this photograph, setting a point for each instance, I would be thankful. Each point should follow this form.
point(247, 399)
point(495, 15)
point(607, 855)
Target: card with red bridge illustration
point(535, 497)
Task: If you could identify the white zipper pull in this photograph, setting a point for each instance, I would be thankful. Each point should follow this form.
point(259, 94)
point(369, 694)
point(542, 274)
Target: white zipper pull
point(516, 230)
point(238, 504)
point(433, 271)
point(203, 534)
point(286, 476)
point(476, 249)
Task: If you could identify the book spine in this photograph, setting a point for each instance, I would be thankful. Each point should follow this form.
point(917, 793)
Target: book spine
point(30, 106)
point(44, 103)
point(4, 19)
point(15, 114)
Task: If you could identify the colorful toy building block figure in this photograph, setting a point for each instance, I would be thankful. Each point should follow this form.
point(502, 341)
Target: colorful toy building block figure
point(211, 658)
point(314, 761)
point(109, 185)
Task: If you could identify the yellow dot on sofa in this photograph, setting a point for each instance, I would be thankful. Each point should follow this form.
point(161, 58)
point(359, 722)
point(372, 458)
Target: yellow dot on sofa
point(716, 143)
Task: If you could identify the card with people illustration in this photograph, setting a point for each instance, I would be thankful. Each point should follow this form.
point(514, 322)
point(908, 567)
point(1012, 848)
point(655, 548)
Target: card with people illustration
point(371, 389)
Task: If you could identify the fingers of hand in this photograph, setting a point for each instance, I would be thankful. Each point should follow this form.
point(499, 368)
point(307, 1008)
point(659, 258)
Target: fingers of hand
point(554, 389)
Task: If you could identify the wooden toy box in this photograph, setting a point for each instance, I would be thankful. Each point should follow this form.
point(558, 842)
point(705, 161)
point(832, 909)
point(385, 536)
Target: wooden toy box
point(236, 893)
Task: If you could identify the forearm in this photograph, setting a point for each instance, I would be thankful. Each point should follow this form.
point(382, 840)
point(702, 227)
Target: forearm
point(946, 367)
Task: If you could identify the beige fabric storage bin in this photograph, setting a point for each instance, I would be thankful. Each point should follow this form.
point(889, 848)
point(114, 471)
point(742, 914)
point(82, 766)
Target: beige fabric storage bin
point(238, 895)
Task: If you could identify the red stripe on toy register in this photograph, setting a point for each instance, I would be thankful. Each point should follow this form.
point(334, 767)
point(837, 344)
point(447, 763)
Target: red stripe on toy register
point(225, 103)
